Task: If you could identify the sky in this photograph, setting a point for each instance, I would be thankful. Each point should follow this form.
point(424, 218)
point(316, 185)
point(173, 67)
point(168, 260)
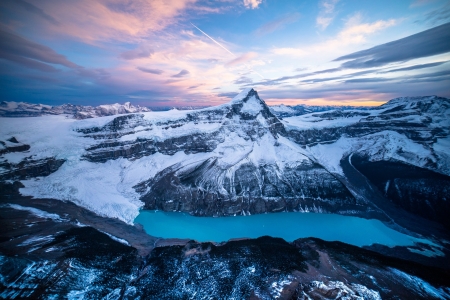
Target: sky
point(201, 53)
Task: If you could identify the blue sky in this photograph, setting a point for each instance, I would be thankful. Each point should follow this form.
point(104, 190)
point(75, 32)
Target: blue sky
point(188, 52)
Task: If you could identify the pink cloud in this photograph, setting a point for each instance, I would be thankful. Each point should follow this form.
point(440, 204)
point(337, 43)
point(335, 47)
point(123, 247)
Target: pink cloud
point(121, 20)
point(242, 59)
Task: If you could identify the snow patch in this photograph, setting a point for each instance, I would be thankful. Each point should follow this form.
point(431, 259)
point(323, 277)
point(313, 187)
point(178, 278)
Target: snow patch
point(37, 212)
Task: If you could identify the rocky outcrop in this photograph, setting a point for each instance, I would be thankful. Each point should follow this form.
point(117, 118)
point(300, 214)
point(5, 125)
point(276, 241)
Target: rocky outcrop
point(204, 189)
point(29, 168)
point(57, 259)
point(417, 190)
point(12, 145)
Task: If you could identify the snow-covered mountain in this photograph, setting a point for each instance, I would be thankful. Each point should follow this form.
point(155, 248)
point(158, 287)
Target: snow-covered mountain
point(239, 158)
point(23, 109)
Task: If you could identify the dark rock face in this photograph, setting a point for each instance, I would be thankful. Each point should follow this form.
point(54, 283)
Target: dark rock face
point(27, 168)
point(417, 190)
point(12, 145)
point(203, 189)
point(30, 168)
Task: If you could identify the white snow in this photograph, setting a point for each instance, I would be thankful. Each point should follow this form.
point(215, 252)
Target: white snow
point(344, 291)
point(311, 122)
point(442, 150)
point(282, 108)
point(122, 241)
point(252, 106)
point(420, 286)
point(241, 95)
point(48, 136)
point(37, 212)
point(384, 145)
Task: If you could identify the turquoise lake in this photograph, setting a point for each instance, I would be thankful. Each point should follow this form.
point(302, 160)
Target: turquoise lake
point(289, 226)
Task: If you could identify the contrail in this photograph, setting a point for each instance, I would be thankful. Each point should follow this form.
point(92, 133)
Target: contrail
point(214, 40)
point(221, 46)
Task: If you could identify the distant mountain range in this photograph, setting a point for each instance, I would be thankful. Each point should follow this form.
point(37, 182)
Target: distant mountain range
point(284, 111)
point(23, 109)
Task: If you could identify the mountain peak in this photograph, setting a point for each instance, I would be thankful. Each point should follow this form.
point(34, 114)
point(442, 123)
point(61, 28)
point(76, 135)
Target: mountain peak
point(244, 95)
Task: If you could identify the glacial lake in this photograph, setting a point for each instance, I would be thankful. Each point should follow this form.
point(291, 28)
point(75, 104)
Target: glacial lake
point(289, 226)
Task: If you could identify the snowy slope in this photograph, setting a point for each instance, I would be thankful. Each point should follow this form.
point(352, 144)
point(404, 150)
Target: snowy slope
point(236, 158)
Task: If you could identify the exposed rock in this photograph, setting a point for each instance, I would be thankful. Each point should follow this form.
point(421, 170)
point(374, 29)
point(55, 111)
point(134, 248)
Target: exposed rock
point(29, 168)
point(83, 262)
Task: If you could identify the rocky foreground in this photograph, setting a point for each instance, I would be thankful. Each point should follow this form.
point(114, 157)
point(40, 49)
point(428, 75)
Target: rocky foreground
point(45, 257)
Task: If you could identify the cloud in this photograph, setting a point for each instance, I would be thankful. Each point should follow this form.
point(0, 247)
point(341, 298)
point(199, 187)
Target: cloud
point(417, 67)
point(442, 14)
point(427, 77)
point(241, 59)
point(31, 54)
point(252, 3)
point(151, 71)
point(421, 2)
point(243, 80)
point(182, 73)
point(32, 9)
point(326, 13)
point(426, 43)
point(93, 73)
point(112, 20)
point(289, 51)
point(354, 32)
point(137, 53)
point(276, 24)
point(228, 95)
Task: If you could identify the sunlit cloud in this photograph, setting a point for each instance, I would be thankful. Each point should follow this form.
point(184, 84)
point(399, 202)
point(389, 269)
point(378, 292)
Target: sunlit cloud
point(427, 43)
point(326, 13)
point(252, 3)
point(113, 50)
point(355, 32)
point(242, 59)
